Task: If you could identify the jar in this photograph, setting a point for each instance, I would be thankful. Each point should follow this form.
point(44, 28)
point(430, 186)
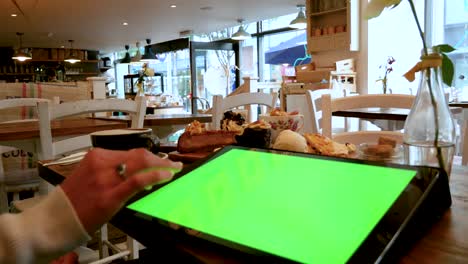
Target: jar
point(339, 29)
point(318, 32)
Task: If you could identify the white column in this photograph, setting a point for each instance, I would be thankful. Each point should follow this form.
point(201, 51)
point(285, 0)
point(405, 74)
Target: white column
point(98, 86)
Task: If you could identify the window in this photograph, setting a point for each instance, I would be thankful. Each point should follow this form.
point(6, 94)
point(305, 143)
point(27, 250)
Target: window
point(385, 35)
point(450, 25)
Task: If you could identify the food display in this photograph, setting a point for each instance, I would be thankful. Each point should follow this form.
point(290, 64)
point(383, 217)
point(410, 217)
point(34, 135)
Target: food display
point(322, 145)
point(280, 120)
point(255, 135)
point(386, 148)
point(290, 140)
point(233, 122)
point(279, 112)
point(312, 143)
point(197, 139)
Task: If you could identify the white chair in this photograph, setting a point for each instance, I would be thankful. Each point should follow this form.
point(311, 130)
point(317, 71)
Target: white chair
point(314, 98)
point(330, 105)
point(51, 148)
point(16, 181)
point(48, 112)
point(220, 104)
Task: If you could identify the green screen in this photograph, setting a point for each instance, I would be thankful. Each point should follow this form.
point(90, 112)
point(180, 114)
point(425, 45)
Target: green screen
point(304, 209)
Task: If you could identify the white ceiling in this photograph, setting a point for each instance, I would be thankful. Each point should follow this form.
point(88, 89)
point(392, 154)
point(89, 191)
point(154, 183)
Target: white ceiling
point(97, 24)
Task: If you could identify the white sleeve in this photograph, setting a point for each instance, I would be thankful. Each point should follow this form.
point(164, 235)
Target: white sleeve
point(41, 233)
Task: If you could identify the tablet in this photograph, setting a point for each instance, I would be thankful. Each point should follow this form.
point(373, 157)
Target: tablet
point(295, 207)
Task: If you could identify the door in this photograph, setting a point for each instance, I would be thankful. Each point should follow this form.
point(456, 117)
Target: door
point(214, 70)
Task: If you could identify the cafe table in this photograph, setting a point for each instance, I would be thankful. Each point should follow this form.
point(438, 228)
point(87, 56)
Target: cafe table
point(445, 242)
point(164, 125)
point(385, 118)
point(25, 134)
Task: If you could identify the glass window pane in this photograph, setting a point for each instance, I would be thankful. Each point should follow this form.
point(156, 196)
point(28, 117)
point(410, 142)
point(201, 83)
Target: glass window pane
point(278, 22)
point(456, 34)
point(384, 39)
point(283, 51)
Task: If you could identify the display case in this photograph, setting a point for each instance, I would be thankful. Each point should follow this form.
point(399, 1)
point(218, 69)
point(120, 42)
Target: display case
point(153, 85)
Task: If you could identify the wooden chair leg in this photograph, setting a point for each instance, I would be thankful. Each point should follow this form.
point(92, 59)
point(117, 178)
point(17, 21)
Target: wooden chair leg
point(103, 248)
point(4, 207)
point(134, 247)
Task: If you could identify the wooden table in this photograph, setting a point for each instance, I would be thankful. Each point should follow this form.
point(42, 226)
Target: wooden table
point(24, 134)
point(396, 114)
point(445, 242)
point(384, 118)
point(164, 120)
point(164, 125)
point(459, 104)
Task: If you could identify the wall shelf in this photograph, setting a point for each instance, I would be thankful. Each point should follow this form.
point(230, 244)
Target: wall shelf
point(327, 12)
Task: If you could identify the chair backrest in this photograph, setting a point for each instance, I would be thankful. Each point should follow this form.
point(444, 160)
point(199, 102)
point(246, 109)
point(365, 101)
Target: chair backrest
point(47, 112)
point(330, 105)
point(314, 113)
point(220, 104)
point(18, 106)
point(465, 144)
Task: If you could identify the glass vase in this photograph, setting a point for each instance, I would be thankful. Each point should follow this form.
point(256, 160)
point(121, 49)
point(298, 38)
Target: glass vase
point(429, 132)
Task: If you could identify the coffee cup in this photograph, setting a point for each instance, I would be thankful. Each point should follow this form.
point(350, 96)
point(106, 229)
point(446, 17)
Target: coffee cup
point(126, 139)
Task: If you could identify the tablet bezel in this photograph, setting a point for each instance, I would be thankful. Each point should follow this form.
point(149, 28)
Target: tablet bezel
point(436, 193)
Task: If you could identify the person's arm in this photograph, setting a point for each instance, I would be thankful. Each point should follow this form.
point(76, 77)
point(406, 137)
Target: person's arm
point(41, 233)
point(88, 198)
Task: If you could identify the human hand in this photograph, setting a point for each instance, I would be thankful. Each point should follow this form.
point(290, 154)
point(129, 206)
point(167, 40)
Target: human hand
point(97, 191)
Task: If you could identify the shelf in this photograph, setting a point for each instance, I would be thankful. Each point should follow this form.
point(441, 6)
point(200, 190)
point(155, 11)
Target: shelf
point(328, 12)
point(16, 74)
point(83, 61)
point(81, 73)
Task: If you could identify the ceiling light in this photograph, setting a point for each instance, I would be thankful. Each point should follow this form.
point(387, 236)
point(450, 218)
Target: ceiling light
point(124, 24)
point(136, 59)
point(127, 58)
point(149, 55)
point(241, 34)
point(173, 6)
point(72, 59)
point(14, 15)
point(20, 55)
point(300, 22)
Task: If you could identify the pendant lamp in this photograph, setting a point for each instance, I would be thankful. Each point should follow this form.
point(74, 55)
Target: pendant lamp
point(72, 58)
point(241, 34)
point(137, 57)
point(149, 55)
point(20, 55)
point(127, 58)
point(300, 22)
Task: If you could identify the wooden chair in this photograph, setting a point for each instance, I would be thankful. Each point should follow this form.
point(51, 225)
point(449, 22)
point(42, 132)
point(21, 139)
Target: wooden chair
point(330, 105)
point(314, 113)
point(20, 180)
point(314, 98)
point(51, 148)
point(220, 104)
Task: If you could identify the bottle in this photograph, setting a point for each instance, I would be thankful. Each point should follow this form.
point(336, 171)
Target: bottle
point(430, 127)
